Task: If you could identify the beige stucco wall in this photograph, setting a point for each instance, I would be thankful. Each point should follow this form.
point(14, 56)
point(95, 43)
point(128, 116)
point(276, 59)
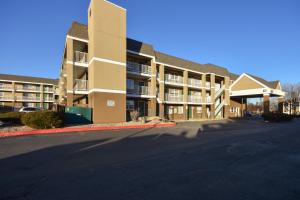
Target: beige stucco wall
point(245, 83)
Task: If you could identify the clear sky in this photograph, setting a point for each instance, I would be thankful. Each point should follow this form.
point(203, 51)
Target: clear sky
point(260, 37)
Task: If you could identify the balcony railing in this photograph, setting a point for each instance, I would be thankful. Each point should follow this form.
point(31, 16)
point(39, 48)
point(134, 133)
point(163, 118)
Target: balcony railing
point(81, 57)
point(6, 98)
point(27, 98)
point(29, 88)
point(48, 89)
point(208, 99)
point(81, 85)
point(173, 79)
point(194, 82)
point(174, 98)
point(48, 98)
point(6, 87)
point(194, 99)
point(138, 68)
point(207, 84)
point(140, 90)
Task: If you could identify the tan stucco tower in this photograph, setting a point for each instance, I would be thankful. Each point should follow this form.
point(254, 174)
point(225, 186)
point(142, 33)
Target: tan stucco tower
point(107, 61)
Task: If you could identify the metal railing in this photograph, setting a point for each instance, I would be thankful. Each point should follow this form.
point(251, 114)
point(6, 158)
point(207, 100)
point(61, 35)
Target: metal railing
point(207, 84)
point(173, 79)
point(28, 98)
point(194, 99)
point(81, 85)
point(29, 88)
point(219, 91)
point(194, 82)
point(208, 99)
point(173, 98)
point(48, 90)
point(6, 98)
point(48, 98)
point(6, 87)
point(140, 90)
point(81, 57)
point(138, 68)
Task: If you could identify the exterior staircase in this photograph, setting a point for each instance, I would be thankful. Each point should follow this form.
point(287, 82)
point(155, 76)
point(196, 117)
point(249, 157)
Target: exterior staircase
point(219, 104)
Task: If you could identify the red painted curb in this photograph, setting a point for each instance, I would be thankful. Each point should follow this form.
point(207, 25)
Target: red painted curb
point(68, 130)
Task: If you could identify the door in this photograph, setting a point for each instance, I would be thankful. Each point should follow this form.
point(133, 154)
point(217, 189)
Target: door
point(190, 112)
point(142, 108)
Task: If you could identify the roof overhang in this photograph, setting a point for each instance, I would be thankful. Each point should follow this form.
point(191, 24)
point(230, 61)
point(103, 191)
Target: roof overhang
point(257, 92)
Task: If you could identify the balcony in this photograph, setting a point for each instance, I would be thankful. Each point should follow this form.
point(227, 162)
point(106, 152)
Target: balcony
point(208, 99)
point(7, 98)
point(207, 84)
point(194, 99)
point(48, 90)
point(29, 88)
point(174, 98)
point(28, 98)
point(81, 85)
point(173, 79)
point(5, 87)
point(81, 57)
point(140, 69)
point(140, 90)
point(48, 99)
point(194, 83)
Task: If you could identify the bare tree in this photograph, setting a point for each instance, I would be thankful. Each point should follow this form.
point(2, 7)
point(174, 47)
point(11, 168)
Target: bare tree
point(292, 96)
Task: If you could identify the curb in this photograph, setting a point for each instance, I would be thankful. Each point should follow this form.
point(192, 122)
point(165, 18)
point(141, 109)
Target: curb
point(69, 130)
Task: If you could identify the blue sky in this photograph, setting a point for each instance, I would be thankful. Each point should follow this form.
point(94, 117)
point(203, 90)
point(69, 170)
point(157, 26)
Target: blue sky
point(260, 37)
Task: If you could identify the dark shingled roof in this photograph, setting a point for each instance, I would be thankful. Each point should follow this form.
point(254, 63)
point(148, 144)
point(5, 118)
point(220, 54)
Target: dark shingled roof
point(29, 79)
point(79, 30)
point(141, 47)
point(233, 76)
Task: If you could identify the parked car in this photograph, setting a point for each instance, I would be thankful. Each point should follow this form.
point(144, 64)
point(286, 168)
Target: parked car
point(29, 109)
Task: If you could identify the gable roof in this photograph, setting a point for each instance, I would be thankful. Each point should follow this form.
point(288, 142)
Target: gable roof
point(270, 84)
point(9, 77)
point(233, 76)
point(79, 30)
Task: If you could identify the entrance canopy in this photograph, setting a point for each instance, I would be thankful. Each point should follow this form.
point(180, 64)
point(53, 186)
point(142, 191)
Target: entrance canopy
point(249, 86)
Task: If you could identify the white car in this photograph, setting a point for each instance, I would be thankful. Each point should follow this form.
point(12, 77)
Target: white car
point(29, 109)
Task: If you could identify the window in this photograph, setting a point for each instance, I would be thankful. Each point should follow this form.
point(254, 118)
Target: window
point(130, 105)
point(180, 109)
point(130, 84)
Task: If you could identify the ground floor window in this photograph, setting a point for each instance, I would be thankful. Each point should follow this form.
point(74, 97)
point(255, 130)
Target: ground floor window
point(199, 110)
point(130, 105)
point(180, 109)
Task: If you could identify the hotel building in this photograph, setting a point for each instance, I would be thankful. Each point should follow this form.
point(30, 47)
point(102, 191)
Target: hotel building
point(104, 70)
point(24, 91)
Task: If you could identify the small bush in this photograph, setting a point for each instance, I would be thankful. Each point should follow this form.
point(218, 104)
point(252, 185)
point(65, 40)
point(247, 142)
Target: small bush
point(11, 117)
point(43, 119)
point(134, 115)
point(277, 117)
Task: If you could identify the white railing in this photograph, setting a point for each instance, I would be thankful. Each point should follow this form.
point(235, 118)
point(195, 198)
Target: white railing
point(208, 99)
point(81, 85)
point(48, 99)
point(173, 79)
point(7, 98)
point(81, 57)
point(219, 107)
point(194, 82)
point(6, 87)
point(140, 90)
point(173, 98)
point(138, 68)
point(48, 89)
point(29, 88)
point(194, 99)
point(207, 84)
point(25, 98)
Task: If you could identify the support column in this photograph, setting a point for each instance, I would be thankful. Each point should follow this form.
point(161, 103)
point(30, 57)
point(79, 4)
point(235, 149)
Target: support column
point(212, 93)
point(266, 100)
point(42, 95)
point(13, 95)
point(152, 89)
point(227, 98)
point(70, 72)
point(161, 91)
point(185, 94)
point(203, 92)
point(280, 104)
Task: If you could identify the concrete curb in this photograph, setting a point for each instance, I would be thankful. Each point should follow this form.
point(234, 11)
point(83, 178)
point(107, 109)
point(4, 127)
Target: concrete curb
point(69, 130)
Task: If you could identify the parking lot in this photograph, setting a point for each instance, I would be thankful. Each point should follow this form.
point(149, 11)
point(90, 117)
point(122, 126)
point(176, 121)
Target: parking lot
point(244, 159)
